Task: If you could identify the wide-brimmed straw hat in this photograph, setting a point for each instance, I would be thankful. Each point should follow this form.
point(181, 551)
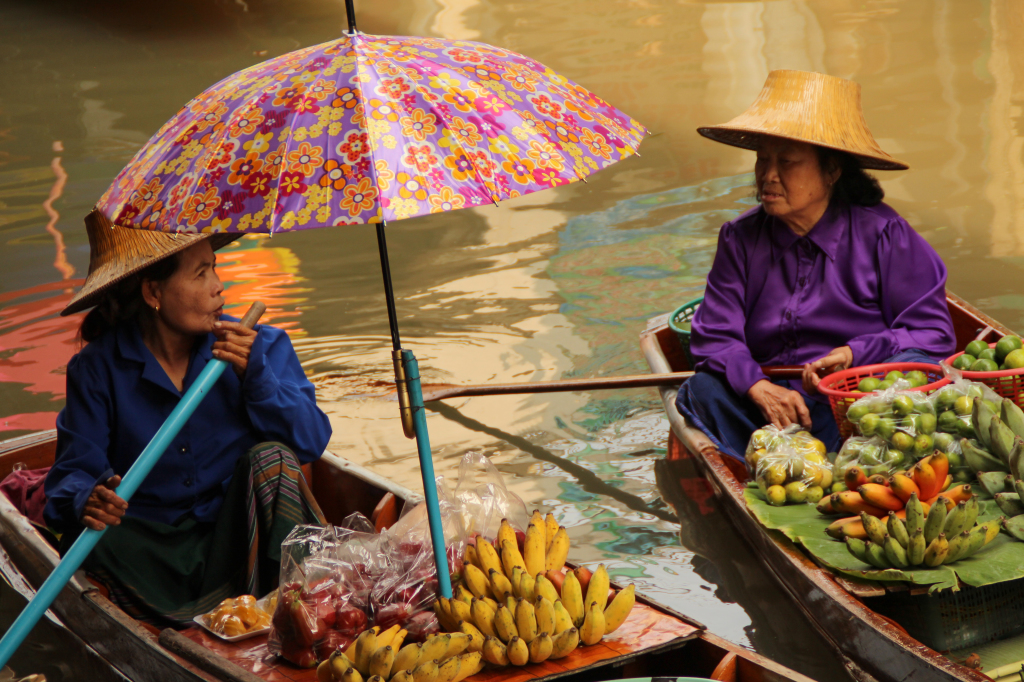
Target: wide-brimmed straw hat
point(808, 107)
point(116, 253)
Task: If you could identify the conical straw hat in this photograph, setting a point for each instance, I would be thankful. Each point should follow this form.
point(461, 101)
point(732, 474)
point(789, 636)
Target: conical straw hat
point(808, 107)
point(116, 253)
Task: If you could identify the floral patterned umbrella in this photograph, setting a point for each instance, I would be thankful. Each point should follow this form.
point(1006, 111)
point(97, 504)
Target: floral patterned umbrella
point(367, 129)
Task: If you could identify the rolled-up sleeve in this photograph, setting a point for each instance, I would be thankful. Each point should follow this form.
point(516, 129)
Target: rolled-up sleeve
point(912, 297)
point(83, 436)
point(718, 338)
point(280, 400)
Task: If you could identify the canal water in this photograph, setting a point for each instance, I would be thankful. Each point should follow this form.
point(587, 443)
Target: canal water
point(553, 285)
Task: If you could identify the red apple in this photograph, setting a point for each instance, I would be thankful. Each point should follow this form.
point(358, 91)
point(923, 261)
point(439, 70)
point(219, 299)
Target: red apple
point(521, 540)
point(399, 613)
point(349, 620)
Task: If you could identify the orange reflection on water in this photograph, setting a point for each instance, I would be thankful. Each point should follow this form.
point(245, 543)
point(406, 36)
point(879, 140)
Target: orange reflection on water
point(253, 272)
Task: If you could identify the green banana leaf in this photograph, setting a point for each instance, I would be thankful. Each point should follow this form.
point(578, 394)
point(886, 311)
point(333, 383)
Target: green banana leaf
point(1001, 560)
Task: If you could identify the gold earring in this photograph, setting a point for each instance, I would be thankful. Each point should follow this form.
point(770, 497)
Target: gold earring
point(156, 308)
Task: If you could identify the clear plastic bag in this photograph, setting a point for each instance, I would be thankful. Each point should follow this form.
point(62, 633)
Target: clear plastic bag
point(904, 419)
point(872, 454)
point(954, 403)
point(789, 465)
point(483, 498)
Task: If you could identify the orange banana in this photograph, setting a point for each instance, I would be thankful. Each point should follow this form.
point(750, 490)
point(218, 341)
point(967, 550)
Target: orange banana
point(960, 493)
point(854, 478)
point(903, 486)
point(835, 529)
point(851, 502)
point(924, 477)
point(880, 496)
point(939, 462)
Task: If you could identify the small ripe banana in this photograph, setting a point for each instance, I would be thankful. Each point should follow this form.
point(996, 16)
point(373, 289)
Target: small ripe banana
point(381, 661)
point(937, 550)
point(490, 602)
point(533, 548)
point(352, 675)
point(483, 617)
point(593, 626)
point(526, 620)
point(517, 580)
point(572, 599)
point(495, 652)
point(425, 672)
point(339, 664)
point(518, 652)
point(552, 529)
point(597, 590)
point(472, 663)
point(541, 648)
point(476, 580)
point(510, 556)
point(563, 621)
point(476, 638)
point(487, 556)
point(527, 586)
point(544, 611)
point(471, 556)
point(500, 585)
point(323, 672)
point(510, 604)
point(444, 616)
point(375, 678)
point(617, 612)
point(545, 588)
point(505, 624)
point(462, 593)
point(387, 638)
point(565, 643)
point(449, 669)
point(558, 552)
point(505, 532)
point(458, 643)
point(366, 644)
point(434, 648)
point(460, 610)
point(406, 657)
point(402, 676)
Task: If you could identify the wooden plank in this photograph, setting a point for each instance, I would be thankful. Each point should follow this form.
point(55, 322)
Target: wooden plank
point(725, 671)
point(202, 657)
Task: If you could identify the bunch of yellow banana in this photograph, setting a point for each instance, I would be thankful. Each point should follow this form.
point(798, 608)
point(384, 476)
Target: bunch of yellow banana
point(513, 600)
point(925, 537)
point(380, 657)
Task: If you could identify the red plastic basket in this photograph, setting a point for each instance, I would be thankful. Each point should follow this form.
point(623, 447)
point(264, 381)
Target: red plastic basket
point(1008, 383)
point(839, 386)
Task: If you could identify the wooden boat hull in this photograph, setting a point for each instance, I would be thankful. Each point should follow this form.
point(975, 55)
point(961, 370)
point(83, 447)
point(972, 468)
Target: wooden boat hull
point(877, 647)
point(670, 645)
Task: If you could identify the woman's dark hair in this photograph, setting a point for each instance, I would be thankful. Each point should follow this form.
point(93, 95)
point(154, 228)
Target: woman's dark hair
point(854, 186)
point(124, 300)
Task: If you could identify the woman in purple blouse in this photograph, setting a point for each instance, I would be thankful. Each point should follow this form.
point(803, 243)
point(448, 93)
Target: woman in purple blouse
point(821, 274)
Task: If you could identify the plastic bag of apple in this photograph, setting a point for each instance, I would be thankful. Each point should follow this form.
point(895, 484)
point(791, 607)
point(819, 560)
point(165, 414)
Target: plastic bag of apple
point(336, 582)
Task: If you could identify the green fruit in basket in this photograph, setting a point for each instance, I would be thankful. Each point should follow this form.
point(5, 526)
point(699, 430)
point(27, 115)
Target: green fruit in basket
point(948, 422)
point(884, 386)
point(945, 398)
point(870, 455)
point(976, 347)
point(868, 424)
point(964, 361)
point(963, 406)
point(923, 445)
point(894, 375)
point(1015, 359)
point(943, 441)
point(1006, 345)
point(902, 441)
point(893, 458)
point(857, 412)
point(869, 384)
point(926, 423)
point(902, 405)
point(984, 365)
point(917, 378)
point(987, 354)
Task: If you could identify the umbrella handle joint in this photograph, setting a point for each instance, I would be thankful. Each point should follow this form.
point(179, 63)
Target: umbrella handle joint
point(404, 403)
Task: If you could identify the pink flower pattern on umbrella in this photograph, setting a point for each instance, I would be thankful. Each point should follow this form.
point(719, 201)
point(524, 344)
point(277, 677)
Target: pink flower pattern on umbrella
point(363, 129)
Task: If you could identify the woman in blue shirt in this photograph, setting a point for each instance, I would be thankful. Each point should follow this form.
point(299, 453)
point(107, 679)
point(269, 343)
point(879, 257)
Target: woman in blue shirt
point(208, 521)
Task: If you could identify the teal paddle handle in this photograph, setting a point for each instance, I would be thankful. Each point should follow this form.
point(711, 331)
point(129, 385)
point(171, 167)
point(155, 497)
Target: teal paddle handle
point(79, 551)
point(412, 377)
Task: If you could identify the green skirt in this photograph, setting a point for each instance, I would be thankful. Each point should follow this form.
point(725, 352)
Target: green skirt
point(168, 574)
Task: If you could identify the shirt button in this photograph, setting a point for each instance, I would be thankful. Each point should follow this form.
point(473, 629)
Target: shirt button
point(789, 315)
point(188, 482)
point(184, 450)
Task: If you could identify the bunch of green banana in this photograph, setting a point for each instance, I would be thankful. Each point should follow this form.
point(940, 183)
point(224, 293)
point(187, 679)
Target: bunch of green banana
point(1000, 439)
point(921, 539)
point(373, 658)
point(521, 605)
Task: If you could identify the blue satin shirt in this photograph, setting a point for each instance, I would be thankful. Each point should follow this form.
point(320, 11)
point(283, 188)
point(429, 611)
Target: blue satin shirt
point(118, 395)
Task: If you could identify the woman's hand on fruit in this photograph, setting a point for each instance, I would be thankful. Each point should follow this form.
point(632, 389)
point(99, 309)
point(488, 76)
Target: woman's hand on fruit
point(103, 507)
point(779, 405)
point(837, 359)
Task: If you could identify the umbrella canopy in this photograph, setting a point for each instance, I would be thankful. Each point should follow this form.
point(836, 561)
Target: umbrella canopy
point(366, 129)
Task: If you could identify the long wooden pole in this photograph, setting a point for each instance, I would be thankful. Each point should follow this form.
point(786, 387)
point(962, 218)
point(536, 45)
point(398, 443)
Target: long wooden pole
point(444, 391)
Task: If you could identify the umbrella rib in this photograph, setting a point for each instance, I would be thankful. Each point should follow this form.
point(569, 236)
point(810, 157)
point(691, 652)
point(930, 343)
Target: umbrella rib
point(369, 134)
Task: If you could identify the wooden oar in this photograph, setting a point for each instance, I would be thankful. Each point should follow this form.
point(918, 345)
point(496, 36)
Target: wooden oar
point(432, 392)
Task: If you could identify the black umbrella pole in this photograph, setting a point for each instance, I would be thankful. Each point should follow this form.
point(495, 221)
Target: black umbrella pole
point(350, 10)
point(401, 385)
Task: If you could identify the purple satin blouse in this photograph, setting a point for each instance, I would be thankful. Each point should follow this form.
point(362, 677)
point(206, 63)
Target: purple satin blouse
point(862, 277)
